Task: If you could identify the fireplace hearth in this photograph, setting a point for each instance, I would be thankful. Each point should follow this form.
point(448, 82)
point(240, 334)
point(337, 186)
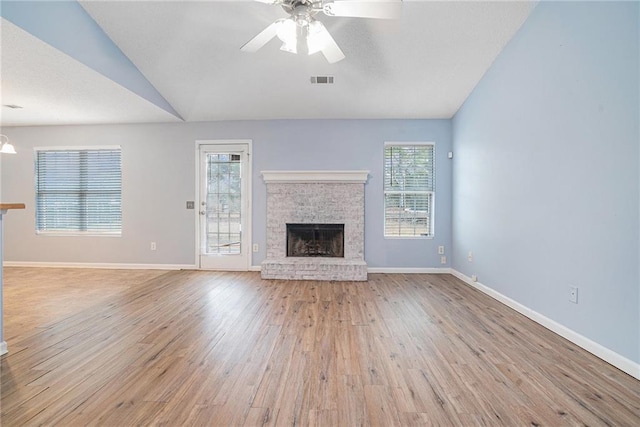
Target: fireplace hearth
point(315, 240)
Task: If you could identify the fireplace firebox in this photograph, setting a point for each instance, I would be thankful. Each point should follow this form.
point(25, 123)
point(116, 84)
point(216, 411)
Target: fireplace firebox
point(315, 240)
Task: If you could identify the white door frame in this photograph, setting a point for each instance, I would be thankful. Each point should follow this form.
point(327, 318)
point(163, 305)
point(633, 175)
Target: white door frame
point(247, 235)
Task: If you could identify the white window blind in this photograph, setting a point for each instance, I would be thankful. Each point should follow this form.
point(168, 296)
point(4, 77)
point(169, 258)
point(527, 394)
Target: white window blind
point(409, 189)
point(79, 191)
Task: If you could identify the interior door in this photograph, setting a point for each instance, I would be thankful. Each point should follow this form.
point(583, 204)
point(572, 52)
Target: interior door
point(224, 236)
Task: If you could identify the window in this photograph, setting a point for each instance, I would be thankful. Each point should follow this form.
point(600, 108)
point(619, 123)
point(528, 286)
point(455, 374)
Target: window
point(79, 191)
point(408, 189)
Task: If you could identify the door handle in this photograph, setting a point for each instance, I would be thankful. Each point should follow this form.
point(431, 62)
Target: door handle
point(203, 212)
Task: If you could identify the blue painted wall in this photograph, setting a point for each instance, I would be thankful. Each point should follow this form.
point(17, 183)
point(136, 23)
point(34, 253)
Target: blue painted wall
point(159, 177)
point(546, 185)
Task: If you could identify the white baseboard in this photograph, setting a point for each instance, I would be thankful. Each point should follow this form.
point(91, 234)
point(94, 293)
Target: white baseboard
point(111, 266)
point(3, 348)
point(626, 365)
point(255, 268)
point(400, 270)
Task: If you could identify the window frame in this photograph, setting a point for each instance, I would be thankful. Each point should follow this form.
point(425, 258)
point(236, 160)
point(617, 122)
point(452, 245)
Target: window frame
point(74, 233)
point(432, 193)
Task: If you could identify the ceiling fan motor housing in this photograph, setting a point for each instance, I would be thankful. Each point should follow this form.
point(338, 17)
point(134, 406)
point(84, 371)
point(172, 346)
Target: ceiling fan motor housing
point(302, 11)
point(301, 24)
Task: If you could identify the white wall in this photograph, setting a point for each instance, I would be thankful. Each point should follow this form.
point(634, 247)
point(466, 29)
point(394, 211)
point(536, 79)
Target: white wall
point(546, 185)
point(159, 177)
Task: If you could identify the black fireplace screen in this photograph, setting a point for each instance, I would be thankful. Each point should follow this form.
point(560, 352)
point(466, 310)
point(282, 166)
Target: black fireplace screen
point(315, 240)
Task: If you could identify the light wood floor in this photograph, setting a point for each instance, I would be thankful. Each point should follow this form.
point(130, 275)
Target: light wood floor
point(120, 348)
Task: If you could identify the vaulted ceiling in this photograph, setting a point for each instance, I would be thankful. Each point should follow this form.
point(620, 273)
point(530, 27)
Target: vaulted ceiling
point(172, 61)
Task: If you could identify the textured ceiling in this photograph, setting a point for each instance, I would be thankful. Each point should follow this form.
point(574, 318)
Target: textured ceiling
point(423, 65)
point(53, 88)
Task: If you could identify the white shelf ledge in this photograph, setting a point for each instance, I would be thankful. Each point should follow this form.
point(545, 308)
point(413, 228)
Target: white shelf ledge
point(297, 177)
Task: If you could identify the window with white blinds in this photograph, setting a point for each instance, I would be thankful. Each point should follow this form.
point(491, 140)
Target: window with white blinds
point(79, 191)
point(409, 189)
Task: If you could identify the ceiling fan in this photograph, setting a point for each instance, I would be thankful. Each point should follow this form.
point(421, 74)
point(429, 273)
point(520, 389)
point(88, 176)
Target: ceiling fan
point(302, 25)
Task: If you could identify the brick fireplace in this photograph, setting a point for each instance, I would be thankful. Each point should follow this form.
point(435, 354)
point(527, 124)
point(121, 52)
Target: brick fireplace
point(318, 199)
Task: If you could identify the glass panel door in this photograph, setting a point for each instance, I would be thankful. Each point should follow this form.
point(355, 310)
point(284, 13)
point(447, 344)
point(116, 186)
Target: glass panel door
point(224, 207)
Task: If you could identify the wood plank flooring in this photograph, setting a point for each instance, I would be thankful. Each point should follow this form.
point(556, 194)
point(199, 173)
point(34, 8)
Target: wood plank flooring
point(121, 348)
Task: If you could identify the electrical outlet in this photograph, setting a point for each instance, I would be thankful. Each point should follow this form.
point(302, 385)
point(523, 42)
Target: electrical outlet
point(573, 294)
point(153, 246)
point(474, 277)
point(256, 248)
point(440, 250)
point(470, 256)
point(443, 259)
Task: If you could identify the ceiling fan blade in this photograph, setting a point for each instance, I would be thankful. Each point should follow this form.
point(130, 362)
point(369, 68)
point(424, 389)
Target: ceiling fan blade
point(261, 39)
point(333, 53)
point(380, 9)
point(319, 39)
point(331, 50)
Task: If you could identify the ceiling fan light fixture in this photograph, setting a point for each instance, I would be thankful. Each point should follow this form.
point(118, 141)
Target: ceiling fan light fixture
point(288, 33)
point(317, 38)
point(302, 24)
point(6, 148)
point(290, 47)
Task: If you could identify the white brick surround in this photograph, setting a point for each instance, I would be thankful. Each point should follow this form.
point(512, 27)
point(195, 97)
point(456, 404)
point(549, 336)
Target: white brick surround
point(320, 197)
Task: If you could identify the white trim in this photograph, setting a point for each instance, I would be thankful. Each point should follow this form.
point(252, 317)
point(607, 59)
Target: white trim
point(409, 270)
point(196, 210)
point(72, 232)
point(249, 200)
point(344, 177)
point(79, 148)
point(626, 365)
point(403, 143)
point(3, 348)
point(409, 192)
point(432, 215)
point(101, 265)
point(255, 268)
point(429, 237)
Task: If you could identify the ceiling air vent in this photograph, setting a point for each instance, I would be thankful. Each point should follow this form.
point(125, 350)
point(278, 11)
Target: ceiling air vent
point(322, 80)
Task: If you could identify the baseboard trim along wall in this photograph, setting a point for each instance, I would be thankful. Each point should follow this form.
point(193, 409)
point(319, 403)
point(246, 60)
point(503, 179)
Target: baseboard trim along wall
point(400, 270)
point(3, 348)
point(110, 266)
point(626, 365)
point(115, 266)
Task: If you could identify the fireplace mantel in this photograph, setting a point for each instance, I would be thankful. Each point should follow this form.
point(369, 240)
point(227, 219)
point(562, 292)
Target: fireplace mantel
point(302, 177)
